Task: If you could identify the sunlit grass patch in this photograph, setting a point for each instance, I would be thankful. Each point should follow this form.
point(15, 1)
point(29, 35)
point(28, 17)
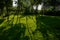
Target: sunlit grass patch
point(15, 19)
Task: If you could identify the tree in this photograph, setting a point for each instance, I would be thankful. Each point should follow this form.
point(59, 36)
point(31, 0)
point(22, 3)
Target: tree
point(52, 3)
point(1, 6)
point(6, 4)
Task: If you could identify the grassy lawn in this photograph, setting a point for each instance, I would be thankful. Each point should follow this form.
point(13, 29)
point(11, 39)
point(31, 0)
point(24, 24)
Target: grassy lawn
point(24, 28)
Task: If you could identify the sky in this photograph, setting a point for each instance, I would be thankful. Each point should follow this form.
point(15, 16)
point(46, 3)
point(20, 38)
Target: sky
point(14, 4)
point(39, 6)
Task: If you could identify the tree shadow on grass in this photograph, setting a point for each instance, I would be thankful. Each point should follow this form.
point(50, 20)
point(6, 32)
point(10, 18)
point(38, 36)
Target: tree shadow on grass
point(15, 32)
point(1, 20)
point(49, 27)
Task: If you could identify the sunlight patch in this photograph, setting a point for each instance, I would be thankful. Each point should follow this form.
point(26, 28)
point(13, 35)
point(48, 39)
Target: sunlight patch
point(39, 6)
